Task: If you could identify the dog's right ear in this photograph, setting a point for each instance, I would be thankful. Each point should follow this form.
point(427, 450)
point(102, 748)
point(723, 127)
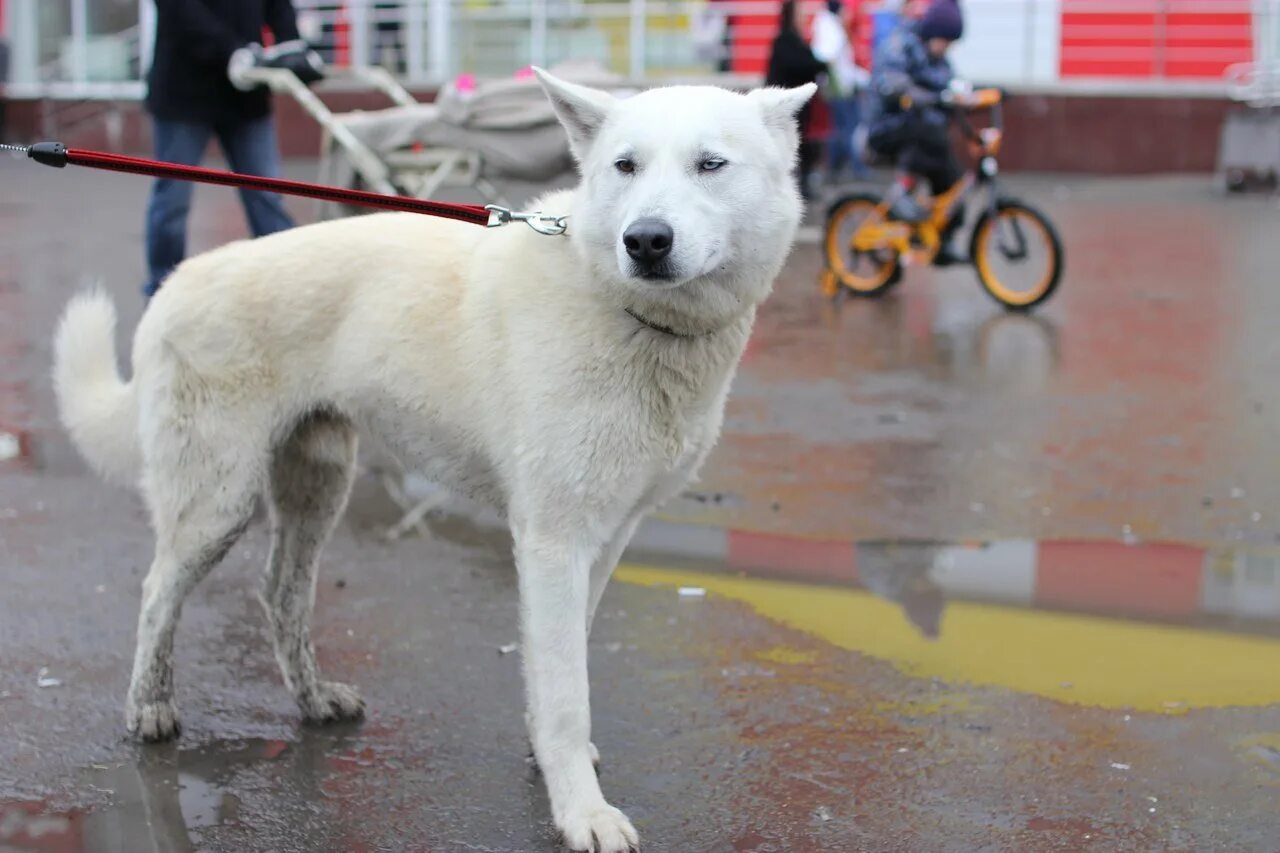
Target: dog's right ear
point(781, 107)
point(580, 109)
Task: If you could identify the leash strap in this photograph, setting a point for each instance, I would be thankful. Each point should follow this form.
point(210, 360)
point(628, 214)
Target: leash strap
point(59, 156)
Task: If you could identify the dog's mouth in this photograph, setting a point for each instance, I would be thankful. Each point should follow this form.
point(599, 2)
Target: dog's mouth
point(659, 273)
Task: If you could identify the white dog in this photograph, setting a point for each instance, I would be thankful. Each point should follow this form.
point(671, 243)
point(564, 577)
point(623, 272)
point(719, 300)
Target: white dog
point(576, 381)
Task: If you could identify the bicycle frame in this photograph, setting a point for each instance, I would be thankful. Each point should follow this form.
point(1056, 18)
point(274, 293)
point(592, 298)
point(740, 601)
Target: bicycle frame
point(910, 240)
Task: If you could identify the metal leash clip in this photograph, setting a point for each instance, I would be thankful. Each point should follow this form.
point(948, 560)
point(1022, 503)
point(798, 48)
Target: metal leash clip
point(543, 223)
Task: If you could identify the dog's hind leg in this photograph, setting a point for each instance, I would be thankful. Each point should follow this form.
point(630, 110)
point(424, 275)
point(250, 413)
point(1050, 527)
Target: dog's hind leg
point(311, 477)
point(201, 500)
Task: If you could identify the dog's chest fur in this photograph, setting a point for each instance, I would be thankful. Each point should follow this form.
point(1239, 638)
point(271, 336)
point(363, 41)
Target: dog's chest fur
point(651, 410)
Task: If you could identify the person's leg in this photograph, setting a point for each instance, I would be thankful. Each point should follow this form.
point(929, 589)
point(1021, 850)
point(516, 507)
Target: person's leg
point(932, 157)
point(809, 153)
point(906, 208)
point(174, 142)
point(926, 153)
point(840, 145)
point(945, 174)
point(4, 78)
point(251, 149)
point(942, 177)
point(936, 162)
point(856, 144)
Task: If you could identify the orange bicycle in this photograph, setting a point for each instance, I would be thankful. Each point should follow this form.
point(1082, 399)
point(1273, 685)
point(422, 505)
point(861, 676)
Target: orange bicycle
point(1014, 248)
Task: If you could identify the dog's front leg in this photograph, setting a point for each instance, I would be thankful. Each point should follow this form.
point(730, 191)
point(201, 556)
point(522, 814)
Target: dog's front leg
point(555, 575)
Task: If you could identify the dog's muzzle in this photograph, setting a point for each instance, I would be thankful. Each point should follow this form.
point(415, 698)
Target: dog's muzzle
point(649, 242)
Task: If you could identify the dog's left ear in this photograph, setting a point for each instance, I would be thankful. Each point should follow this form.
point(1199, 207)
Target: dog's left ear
point(580, 109)
point(782, 106)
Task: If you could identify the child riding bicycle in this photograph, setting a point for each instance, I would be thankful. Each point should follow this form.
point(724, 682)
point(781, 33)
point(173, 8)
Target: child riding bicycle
point(913, 84)
point(871, 237)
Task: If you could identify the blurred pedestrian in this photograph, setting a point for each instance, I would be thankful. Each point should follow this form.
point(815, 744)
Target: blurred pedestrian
point(792, 63)
point(388, 29)
point(708, 28)
point(199, 44)
point(4, 79)
point(845, 81)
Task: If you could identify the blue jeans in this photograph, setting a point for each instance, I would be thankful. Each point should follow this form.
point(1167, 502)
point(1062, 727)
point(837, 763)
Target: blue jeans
point(846, 115)
point(250, 148)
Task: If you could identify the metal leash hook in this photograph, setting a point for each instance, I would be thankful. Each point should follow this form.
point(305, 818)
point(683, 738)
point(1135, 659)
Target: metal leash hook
point(48, 153)
point(543, 223)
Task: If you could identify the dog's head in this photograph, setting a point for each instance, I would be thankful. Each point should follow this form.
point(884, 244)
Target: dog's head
point(684, 186)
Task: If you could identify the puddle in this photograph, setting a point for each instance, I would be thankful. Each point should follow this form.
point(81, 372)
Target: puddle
point(166, 799)
point(1154, 627)
point(1160, 627)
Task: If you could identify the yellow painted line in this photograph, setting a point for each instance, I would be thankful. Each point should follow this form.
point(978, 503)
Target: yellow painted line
point(1072, 658)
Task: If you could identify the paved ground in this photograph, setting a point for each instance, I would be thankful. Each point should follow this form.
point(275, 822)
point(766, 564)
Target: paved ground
point(973, 581)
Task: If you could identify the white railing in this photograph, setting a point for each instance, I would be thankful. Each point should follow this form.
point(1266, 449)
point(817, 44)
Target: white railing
point(1042, 43)
point(72, 50)
point(428, 41)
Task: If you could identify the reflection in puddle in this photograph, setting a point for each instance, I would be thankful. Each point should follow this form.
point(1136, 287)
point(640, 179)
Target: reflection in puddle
point(16, 448)
point(165, 800)
point(1017, 351)
point(1152, 627)
point(29, 826)
point(1160, 627)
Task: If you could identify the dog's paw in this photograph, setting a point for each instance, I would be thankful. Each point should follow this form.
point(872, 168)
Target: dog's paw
point(153, 721)
point(599, 829)
point(332, 702)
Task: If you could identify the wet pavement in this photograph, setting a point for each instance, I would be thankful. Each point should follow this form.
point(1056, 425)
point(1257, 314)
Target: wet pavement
point(953, 580)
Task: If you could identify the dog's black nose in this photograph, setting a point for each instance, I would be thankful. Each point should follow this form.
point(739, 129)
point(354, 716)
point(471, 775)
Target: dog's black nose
point(648, 240)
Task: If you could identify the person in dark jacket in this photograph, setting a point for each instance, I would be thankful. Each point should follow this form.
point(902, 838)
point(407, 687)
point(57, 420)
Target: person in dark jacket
point(792, 63)
point(912, 64)
point(4, 78)
point(192, 99)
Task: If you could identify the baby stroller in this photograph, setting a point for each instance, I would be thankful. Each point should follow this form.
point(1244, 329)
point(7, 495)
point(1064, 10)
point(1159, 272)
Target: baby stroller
point(472, 136)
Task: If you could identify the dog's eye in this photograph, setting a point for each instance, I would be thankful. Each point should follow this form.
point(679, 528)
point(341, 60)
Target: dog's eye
point(712, 164)
point(624, 165)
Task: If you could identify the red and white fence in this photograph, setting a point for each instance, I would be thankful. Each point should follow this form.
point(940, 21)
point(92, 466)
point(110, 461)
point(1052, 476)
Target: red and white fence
point(84, 48)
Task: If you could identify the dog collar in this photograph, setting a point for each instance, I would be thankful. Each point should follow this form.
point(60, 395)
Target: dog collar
point(657, 327)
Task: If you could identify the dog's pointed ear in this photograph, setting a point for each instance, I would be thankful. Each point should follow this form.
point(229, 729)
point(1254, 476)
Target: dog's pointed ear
point(581, 110)
point(781, 107)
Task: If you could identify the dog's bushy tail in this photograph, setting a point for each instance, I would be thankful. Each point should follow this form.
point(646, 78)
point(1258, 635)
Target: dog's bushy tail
point(97, 407)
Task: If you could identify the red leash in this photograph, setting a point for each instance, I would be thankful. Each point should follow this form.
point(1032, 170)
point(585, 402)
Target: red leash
point(58, 155)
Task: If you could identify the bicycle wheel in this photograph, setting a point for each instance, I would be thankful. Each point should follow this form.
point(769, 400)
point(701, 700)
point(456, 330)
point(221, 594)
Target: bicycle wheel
point(1017, 254)
point(863, 273)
